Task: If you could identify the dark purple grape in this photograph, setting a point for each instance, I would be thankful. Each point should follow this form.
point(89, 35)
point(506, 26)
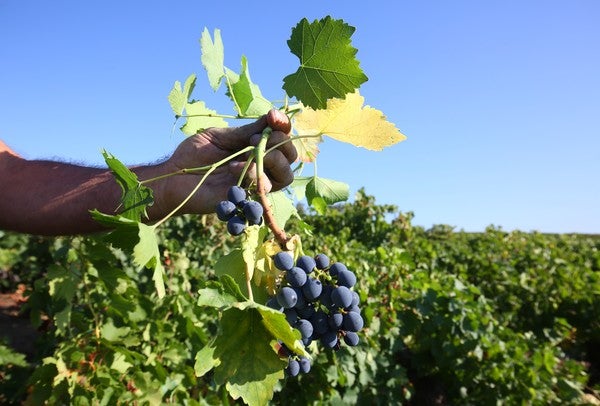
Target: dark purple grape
point(320, 322)
point(341, 296)
point(346, 278)
point(336, 267)
point(312, 289)
point(284, 261)
point(322, 261)
point(225, 210)
point(293, 367)
point(305, 328)
point(329, 339)
point(253, 212)
point(353, 322)
point(354, 309)
point(306, 312)
point(296, 277)
point(236, 195)
point(351, 338)
point(307, 263)
point(236, 225)
point(304, 365)
point(287, 297)
point(335, 321)
point(291, 315)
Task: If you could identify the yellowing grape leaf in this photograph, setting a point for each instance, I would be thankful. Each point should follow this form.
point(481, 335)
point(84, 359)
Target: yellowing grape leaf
point(307, 147)
point(349, 121)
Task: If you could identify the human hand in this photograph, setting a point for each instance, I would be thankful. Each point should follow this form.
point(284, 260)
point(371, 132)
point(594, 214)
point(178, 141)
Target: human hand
point(215, 144)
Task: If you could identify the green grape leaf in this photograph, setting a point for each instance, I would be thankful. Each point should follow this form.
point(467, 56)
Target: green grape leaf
point(212, 57)
point(199, 117)
point(214, 298)
point(246, 95)
point(233, 265)
point(134, 197)
point(243, 354)
point(328, 67)
point(244, 347)
point(231, 287)
point(11, 357)
point(178, 97)
point(321, 191)
point(299, 186)
point(205, 360)
point(62, 286)
point(282, 207)
point(110, 332)
point(140, 240)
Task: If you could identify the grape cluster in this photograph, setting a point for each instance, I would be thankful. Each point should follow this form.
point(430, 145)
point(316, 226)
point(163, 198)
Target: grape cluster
point(317, 299)
point(238, 211)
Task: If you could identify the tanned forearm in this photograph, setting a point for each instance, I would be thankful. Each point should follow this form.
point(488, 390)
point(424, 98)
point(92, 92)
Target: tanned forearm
point(54, 198)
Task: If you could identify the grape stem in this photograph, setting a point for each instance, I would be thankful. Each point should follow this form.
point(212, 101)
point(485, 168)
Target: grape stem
point(279, 233)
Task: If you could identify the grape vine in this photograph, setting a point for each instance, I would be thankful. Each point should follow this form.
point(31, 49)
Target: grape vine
point(274, 300)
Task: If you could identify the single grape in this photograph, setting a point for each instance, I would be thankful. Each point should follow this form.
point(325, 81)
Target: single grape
point(341, 296)
point(336, 267)
point(351, 338)
point(304, 365)
point(322, 261)
point(353, 322)
point(335, 320)
point(284, 261)
point(236, 225)
point(293, 367)
point(320, 322)
point(253, 212)
point(307, 263)
point(296, 277)
point(225, 210)
point(354, 309)
point(329, 339)
point(312, 289)
point(346, 278)
point(287, 297)
point(305, 328)
point(236, 195)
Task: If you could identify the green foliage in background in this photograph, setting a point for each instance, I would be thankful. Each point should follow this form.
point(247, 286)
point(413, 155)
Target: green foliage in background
point(454, 317)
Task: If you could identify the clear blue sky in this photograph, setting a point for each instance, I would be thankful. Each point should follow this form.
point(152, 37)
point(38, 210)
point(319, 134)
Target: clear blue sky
point(500, 100)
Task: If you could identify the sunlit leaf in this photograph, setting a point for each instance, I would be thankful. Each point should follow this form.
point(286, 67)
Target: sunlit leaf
point(178, 97)
point(349, 121)
point(246, 94)
point(213, 57)
point(328, 67)
point(199, 117)
point(135, 197)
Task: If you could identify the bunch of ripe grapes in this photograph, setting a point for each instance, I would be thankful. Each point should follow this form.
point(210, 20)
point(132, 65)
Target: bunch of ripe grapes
point(238, 211)
point(315, 295)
